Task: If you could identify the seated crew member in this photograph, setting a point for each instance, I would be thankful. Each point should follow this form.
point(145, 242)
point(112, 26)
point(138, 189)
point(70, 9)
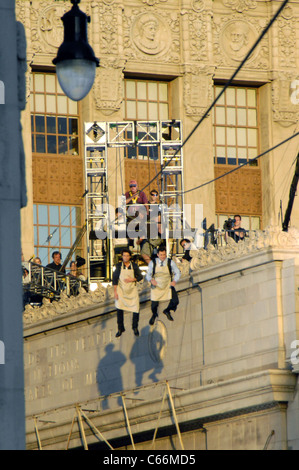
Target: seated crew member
point(135, 197)
point(125, 277)
point(56, 263)
point(237, 232)
point(187, 245)
point(159, 274)
point(150, 239)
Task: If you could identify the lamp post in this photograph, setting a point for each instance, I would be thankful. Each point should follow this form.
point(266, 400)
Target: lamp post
point(75, 62)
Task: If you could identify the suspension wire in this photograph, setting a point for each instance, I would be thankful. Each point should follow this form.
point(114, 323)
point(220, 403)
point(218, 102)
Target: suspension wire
point(227, 84)
point(243, 164)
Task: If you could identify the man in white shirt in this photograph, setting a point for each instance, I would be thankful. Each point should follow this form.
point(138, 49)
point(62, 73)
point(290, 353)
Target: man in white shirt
point(163, 274)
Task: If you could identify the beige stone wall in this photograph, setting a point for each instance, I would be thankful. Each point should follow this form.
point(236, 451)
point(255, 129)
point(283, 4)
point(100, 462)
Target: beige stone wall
point(193, 48)
point(226, 355)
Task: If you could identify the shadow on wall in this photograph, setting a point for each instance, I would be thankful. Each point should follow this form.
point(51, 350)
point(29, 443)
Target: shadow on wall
point(147, 356)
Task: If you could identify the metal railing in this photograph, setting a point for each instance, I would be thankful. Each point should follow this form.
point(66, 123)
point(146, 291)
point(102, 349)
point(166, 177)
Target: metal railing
point(41, 282)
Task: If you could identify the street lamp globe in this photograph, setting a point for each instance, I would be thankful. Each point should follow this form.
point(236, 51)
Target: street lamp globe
point(75, 62)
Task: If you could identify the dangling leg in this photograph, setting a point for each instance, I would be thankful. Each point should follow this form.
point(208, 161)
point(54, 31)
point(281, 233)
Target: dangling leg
point(120, 322)
point(154, 307)
point(135, 323)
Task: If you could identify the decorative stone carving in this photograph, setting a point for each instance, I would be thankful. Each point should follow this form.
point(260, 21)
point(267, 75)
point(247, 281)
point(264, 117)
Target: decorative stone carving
point(198, 90)
point(107, 88)
point(150, 34)
point(233, 39)
point(46, 26)
point(271, 237)
point(240, 5)
point(285, 110)
point(236, 38)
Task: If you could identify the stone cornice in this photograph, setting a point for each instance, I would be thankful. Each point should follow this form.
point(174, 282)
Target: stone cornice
point(258, 248)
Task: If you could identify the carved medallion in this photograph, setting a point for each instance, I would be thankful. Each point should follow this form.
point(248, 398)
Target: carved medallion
point(240, 5)
point(47, 27)
point(150, 34)
point(236, 39)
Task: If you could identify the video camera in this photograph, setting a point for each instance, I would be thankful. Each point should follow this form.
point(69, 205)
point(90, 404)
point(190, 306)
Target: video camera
point(229, 224)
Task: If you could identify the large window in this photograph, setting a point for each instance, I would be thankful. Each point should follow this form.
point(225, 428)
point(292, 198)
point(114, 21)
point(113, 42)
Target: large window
point(235, 118)
point(145, 100)
point(54, 117)
point(55, 228)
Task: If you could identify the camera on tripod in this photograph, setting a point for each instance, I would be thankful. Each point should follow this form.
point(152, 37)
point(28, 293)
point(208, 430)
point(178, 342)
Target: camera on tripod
point(229, 224)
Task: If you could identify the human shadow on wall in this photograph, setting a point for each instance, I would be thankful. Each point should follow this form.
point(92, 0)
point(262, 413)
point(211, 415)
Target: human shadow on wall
point(147, 353)
point(109, 378)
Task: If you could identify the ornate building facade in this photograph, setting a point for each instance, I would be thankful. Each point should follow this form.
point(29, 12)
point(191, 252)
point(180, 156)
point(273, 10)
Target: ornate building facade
point(164, 60)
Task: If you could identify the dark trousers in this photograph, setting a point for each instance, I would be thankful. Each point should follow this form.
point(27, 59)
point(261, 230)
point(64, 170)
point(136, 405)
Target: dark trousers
point(173, 303)
point(120, 319)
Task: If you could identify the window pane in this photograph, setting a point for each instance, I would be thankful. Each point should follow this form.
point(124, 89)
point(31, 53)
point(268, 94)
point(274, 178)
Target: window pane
point(35, 236)
point(62, 145)
point(231, 116)
point(141, 91)
point(74, 149)
point(62, 125)
point(51, 144)
point(42, 215)
point(241, 113)
point(62, 104)
point(73, 126)
point(241, 97)
point(32, 103)
point(40, 124)
point(252, 137)
point(55, 238)
point(130, 89)
point(51, 125)
point(153, 111)
point(252, 117)
point(66, 236)
point(241, 136)
point(230, 96)
point(43, 254)
point(39, 82)
point(34, 214)
point(220, 115)
point(73, 107)
point(221, 99)
point(163, 92)
point(51, 103)
point(65, 215)
point(152, 91)
point(231, 136)
point(220, 136)
point(40, 144)
point(50, 83)
point(54, 215)
point(163, 110)
point(40, 103)
point(141, 110)
point(255, 223)
point(131, 109)
point(42, 235)
point(251, 97)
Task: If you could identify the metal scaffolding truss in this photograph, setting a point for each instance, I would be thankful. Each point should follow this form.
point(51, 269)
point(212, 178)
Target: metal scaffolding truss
point(166, 136)
point(80, 417)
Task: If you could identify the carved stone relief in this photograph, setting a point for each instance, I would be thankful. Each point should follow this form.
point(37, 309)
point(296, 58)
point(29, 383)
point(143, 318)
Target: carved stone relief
point(234, 37)
point(46, 26)
point(240, 5)
point(107, 88)
point(153, 34)
point(198, 90)
point(285, 110)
